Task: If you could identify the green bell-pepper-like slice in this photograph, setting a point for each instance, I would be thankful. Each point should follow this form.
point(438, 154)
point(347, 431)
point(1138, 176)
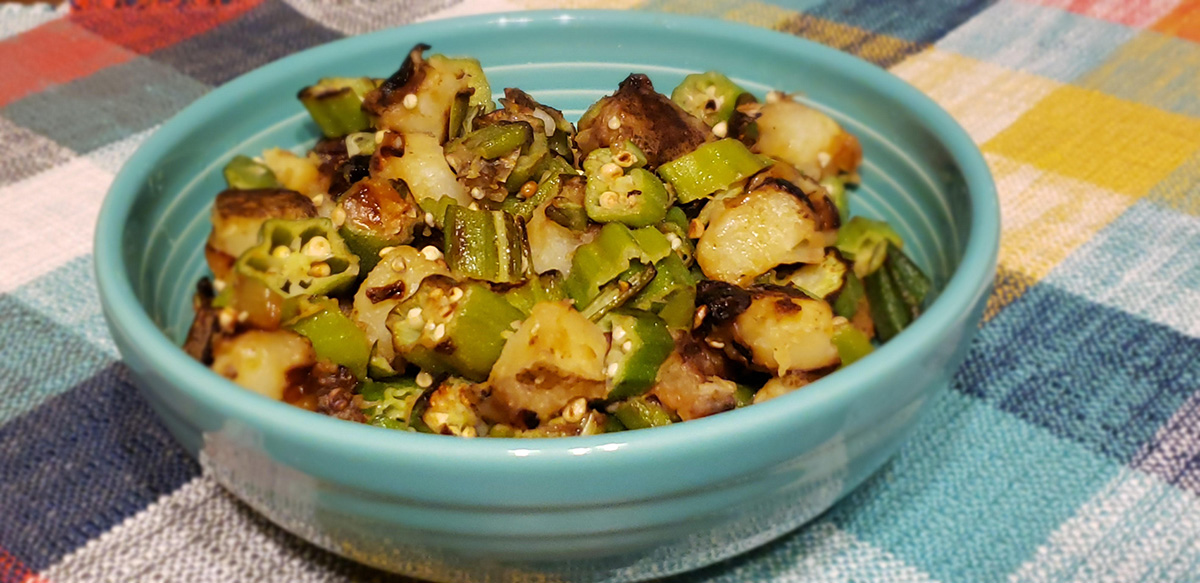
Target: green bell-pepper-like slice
point(300, 257)
point(851, 343)
point(711, 167)
point(620, 190)
point(608, 255)
point(640, 413)
point(640, 344)
point(450, 327)
point(335, 104)
point(709, 96)
point(484, 244)
point(246, 173)
point(866, 241)
point(335, 337)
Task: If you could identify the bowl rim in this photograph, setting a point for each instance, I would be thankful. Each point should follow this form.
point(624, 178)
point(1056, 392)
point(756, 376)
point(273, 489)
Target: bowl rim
point(971, 279)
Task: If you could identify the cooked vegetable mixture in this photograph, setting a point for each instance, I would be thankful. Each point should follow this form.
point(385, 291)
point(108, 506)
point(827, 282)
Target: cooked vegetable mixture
point(441, 263)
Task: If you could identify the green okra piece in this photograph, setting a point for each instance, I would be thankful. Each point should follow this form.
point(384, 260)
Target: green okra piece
point(888, 309)
point(866, 242)
point(615, 293)
point(335, 104)
point(846, 303)
point(836, 187)
point(821, 280)
point(711, 167)
point(390, 404)
point(300, 257)
point(491, 142)
point(545, 287)
point(640, 344)
point(448, 327)
point(377, 216)
point(485, 244)
point(913, 284)
point(335, 337)
point(549, 187)
point(671, 276)
point(679, 309)
point(851, 343)
point(608, 255)
point(641, 413)
point(246, 173)
point(709, 96)
point(620, 190)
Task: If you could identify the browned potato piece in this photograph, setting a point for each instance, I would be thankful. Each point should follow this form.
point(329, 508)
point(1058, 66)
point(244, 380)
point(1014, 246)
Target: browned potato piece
point(662, 129)
point(237, 217)
point(263, 361)
point(690, 381)
point(786, 333)
point(556, 355)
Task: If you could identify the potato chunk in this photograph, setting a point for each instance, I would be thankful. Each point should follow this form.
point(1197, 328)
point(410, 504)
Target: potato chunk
point(786, 333)
point(237, 217)
point(261, 360)
point(556, 355)
point(808, 139)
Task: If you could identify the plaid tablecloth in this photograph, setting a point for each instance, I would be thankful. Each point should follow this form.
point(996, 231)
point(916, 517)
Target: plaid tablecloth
point(1068, 449)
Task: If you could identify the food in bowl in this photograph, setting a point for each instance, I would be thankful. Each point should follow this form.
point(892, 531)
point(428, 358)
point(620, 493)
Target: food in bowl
point(439, 263)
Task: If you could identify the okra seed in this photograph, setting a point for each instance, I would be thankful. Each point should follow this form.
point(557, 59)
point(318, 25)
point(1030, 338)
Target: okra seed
point(281, 251)
point(611, 171)
point(439, 332)
point(528, 189)
point(431, 253)
point(386, 250)
point(609, 199)
point(701, 313)
point(618, 334)
point(614, 123)
point(456, 294)
point(436, 294)
point(774, 96)
point(611, 370)
point(414, 318)
point(218, 285)
point(318, 199)
point(379, 135)
point(410, 101)
point(320, 269)
point(627, 346)
point(318, 247)
point(429, 219)
point(515, 324)
point(338, 216)
point(674, 240)
point(839, 321)
point(398, 264)
point(468, 431)
point(824, 158)
point(477, 193)
point(424, 380)
point(716, 344)
point(575, 410)
point(625, 159)
point(721, 129)
point(711, 91)
point(473, 206)
point(430, 327)
point(226, 318)
point(243, 316)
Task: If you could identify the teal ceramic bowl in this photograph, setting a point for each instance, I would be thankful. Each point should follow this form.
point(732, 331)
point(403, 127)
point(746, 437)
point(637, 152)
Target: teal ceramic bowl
point(621, 507)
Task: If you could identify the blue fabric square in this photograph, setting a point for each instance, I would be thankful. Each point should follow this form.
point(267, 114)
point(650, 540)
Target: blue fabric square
point(80, 464)
point(973, 493)
point(1035, 39)
point(919, 22)
point(263, 34)
point(1087, 373)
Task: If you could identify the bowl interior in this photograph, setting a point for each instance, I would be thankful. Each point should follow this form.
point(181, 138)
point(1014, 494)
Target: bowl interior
point(921, 172)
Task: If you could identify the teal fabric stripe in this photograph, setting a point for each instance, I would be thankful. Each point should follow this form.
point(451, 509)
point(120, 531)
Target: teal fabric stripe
point(67, 296)
point(1155, 69)
point(48, 360)
point(1035, 39)
point(973, 493)
point(111, 104)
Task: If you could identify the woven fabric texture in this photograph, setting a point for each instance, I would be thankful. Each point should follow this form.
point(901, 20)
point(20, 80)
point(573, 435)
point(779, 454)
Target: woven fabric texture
point(1068, 448)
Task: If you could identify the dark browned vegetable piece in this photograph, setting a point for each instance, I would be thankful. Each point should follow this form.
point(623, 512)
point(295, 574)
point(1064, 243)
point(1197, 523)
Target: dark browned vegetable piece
point(204, 326)
point(237, 216)
point(636, 112)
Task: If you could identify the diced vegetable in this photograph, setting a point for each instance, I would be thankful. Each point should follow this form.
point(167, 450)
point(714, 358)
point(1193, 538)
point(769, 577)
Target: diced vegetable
point(709, 168)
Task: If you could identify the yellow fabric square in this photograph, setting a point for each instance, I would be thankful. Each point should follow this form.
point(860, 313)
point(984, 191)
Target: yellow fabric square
point(983, 97)
point(1118, 145)
point(759, 14)
point(1044, 216)
point(881, 49)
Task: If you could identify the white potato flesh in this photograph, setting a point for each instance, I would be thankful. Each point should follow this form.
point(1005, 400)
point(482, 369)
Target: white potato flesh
point(690, 394)
point(432, 99)
point(551, 245)
point(301, 174)
point(259, 360)
point(452, 410)
point(422, 167)
point(557, 354)
point(808, 139)
point(755, 233)
point(785, 333)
